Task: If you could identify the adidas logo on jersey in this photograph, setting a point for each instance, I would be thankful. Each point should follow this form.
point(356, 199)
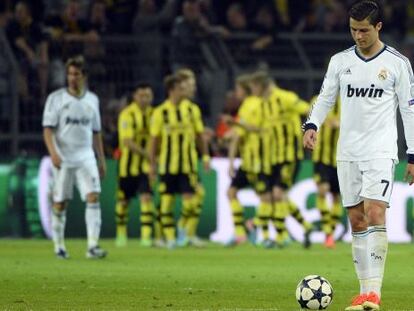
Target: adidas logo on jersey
point(370, 92)
point(348, 72)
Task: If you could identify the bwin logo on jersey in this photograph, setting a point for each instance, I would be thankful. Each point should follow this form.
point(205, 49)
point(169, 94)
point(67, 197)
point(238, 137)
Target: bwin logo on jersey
point(76, 121)
point(371, 92)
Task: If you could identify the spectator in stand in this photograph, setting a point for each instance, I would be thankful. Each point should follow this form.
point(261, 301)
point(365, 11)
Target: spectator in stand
point(31, 50)
point(121, 14)
point(98, 19)
point(148, 29)
point(236, 19)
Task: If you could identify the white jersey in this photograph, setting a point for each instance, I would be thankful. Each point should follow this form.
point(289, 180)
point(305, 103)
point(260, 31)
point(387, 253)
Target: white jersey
point(74, 121)
point(370, 91)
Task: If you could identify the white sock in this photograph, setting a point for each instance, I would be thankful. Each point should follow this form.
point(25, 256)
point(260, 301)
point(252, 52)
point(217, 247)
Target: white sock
point(93, 223)
point(377, 253)
point(58, 229)
point(360, 258)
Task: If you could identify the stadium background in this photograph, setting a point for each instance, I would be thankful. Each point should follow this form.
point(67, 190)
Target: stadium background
point(130, 41)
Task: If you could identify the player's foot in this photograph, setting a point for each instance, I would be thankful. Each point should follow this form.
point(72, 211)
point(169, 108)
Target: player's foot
point(283, 240)
point(145, 242)
point(171, 244)
point(372, 302)
point(357, 303)
point(306, 239)
point(159, 243)
point(121, 241)
point(236, 240)
point(268, 243)
point(62, 254)
point(196, 242)
point(96, 253)
point(182, 239)
point(329, 241)
point(251, 229)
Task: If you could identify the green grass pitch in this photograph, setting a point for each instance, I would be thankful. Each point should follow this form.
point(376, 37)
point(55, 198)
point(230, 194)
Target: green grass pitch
point(213, 278)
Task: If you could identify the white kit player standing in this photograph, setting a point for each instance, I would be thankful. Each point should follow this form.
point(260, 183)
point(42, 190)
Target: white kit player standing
point(372, 79)
point(71, 130)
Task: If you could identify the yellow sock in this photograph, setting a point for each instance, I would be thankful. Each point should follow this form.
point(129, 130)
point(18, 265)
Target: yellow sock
point(280, 211)
point(264, 212)
point(294, 211)
point(238, 218)
point(322, 206)
point(167, 217)
point(121, 219)
point(194, 219)
point(146, 220)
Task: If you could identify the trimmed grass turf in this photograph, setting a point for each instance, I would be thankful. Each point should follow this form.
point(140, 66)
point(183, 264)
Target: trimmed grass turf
point(214, 278)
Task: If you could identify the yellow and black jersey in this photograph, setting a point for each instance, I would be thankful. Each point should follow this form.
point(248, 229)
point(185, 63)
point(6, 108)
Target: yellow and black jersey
point(286, 110)
point(328, 135)
point(255, 151)
point(133, 123)
point(177, 127)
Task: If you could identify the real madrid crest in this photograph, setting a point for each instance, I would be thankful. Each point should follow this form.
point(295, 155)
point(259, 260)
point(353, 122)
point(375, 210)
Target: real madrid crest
point(383, 74)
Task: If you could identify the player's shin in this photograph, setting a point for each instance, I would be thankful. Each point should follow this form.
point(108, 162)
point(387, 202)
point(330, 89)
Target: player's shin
point(93, 223)
point(146, 219)
point(121, 219)
point(377, 245)
point(167, 217)
point(237, 211)
point(360, 258)
point(58, 229)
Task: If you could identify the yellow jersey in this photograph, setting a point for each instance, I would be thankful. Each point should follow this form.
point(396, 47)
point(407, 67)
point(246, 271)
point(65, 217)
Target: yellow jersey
point(177, 127)
point(328, 135)
point(133, 123)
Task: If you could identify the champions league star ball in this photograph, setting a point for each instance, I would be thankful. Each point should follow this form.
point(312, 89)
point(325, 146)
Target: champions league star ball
point(314, 293)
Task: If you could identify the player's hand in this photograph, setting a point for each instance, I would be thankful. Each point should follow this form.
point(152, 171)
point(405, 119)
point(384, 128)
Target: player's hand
point(56, 160)
point(309, 139)
point(409, 174)
point(102, 169)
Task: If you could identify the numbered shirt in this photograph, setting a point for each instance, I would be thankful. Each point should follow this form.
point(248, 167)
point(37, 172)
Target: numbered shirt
point(370, 91)
point(74, 121)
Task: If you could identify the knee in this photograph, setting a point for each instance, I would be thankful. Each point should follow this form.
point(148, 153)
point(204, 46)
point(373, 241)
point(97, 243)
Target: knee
point(323, 189)
point(358, 222)
point(375, 214)
point(92, 197)
point(277, 194)
point(145, 198)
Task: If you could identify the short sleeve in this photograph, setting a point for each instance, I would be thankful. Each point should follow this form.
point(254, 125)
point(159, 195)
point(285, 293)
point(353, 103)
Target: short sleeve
point(125, 125)
point(50, 113)
point(198, 121)
point(156, 123)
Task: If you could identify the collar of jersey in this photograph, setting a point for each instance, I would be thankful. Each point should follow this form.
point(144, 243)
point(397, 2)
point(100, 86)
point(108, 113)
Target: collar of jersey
point(78, 98)
point(371, 58)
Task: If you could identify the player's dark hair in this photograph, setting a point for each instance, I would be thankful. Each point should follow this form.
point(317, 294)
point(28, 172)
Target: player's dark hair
point(244, 80)
point(143, 85)
point(261, 77)
point(366, 9)
point(78, 62)
point(171, 81)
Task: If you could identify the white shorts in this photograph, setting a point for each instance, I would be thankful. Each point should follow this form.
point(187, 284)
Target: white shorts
point(361, 180)
point(86, 178)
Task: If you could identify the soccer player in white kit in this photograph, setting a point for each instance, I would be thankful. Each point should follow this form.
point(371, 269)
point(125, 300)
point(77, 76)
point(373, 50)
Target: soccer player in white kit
point(372, 79)
point(71, 131)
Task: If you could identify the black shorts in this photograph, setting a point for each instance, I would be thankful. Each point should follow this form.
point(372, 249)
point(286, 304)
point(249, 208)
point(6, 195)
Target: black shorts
point(129, 187)
point(258, 182)
point(284, 174)
point(327, 174)
point(179, 183)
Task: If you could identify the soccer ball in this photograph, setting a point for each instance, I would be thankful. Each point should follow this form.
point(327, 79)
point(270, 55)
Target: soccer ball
point(314, 293)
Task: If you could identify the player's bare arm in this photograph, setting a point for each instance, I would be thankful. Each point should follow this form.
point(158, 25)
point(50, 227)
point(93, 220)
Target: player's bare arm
point(131, 145)
point(154, 143)
point(98, 147)
point(48, 138)
point(202, 145)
